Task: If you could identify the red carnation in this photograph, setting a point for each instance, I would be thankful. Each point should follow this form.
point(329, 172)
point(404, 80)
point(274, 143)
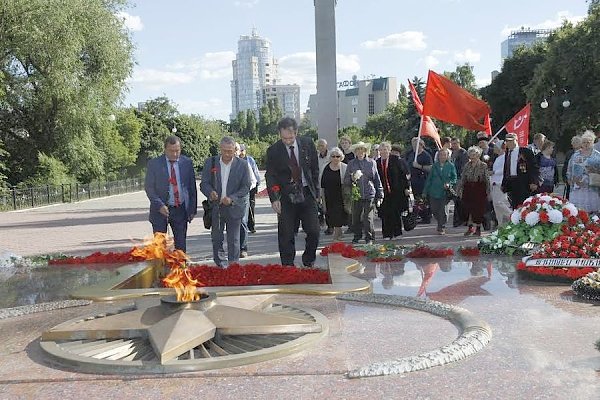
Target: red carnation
point(572, 221)
point(544, 217)
point(583, 215)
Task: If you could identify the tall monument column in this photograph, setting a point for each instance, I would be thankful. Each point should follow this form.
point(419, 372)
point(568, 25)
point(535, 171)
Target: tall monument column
point(327, 118)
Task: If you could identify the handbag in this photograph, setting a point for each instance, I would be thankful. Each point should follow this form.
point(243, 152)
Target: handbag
point(206, 205)
point(409, 217)
point(450, 192)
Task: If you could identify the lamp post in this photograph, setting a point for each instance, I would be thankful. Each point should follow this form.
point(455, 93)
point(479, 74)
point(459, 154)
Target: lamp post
point(557, 108)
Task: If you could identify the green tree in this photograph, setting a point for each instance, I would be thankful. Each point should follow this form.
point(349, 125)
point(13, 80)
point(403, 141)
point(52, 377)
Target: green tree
point(506, 94)
point(264, 121)
point(276, 113)
point(64, 64)
point(571, 68)
point(251, 125)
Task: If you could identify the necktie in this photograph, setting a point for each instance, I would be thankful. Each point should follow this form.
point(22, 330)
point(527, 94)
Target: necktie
point(384, 167)
point(296, 173)
point(173, 182)
point(507, 164)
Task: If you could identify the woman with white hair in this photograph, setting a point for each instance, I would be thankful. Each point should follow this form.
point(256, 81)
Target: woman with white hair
point(335, 204)
point(582, 175)
point(474, 190)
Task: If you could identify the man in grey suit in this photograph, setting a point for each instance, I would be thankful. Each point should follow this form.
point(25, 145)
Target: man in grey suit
point(226, 184)
point(170, 185)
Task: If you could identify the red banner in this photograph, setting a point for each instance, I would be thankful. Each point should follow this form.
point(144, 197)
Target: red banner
point(447, 101)
point(519, 124)
point(415, 97)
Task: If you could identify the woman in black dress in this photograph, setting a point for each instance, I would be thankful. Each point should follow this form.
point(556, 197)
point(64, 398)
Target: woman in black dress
point(396, 189)
point(333, 193)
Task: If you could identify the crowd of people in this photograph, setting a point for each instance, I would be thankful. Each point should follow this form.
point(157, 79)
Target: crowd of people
point(348, 185)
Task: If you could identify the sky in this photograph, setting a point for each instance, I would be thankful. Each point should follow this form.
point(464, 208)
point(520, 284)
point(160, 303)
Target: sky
point(184, 48)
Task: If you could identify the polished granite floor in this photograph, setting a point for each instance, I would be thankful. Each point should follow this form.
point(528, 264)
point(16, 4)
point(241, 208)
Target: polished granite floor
point(542, 345)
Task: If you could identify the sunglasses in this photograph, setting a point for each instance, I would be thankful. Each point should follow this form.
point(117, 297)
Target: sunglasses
point(336, 156)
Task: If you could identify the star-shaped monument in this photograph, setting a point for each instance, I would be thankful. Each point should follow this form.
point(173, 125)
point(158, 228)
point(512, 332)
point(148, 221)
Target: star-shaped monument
point(174, 328)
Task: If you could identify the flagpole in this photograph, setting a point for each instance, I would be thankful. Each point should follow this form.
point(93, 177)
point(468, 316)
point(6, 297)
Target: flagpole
point(497, 133)
point(418, 141)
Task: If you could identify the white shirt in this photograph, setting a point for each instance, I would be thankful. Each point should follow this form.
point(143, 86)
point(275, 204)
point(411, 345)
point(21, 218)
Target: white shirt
point(497, 170)
point(253, 180)
point(225, 168)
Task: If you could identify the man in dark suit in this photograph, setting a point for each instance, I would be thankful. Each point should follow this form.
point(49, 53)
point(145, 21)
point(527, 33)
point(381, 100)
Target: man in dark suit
point(171, 188)
point(293, 171)
point(227, 186)
point(521, 172)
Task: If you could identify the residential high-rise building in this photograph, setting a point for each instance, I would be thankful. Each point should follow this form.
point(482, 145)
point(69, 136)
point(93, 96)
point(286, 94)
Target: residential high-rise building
point(523, 37)
point(253, 69)
point(288, 97)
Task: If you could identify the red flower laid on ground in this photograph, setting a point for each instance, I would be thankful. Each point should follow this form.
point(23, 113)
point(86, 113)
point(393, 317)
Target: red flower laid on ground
point(256, 274)
point(346, 250)
point(424, 251)
point(97, 258)
point(469, 251)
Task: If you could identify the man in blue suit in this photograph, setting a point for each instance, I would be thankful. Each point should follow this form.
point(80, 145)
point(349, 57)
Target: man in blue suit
point(226, 184)
point(171, 188)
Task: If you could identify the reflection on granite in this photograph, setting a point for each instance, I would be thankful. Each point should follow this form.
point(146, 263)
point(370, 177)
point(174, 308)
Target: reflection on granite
point(24, 286)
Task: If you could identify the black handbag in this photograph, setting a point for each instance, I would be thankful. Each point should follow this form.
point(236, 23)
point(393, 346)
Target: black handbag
point(206, 205)
point(409, 217)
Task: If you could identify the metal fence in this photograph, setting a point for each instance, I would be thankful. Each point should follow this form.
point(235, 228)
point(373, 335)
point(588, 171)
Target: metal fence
point(21, 198)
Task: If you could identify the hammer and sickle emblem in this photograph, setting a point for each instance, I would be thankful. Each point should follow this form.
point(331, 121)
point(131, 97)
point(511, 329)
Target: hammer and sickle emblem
point(519, 121)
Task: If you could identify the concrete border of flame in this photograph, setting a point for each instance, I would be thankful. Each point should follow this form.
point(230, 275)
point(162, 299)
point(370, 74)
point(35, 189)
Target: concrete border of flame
point(474, 335)
point(136, 280)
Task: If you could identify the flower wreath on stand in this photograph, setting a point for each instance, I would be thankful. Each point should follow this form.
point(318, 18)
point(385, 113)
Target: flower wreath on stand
point(539, 219)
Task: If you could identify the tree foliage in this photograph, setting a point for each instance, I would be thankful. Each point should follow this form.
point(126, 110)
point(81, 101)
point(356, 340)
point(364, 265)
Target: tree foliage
point(63, 65)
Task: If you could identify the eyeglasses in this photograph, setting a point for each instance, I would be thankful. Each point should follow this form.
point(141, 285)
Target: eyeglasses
point(336, 156)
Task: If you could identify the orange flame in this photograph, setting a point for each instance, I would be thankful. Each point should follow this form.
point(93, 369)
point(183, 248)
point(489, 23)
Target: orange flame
point(160, 247)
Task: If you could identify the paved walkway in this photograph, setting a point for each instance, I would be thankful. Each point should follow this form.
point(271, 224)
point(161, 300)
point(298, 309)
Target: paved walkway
point(542, 345)
point(116, 223)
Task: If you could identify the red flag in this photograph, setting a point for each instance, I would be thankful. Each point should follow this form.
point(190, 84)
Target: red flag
point(415, 97)
point(487, 121)
point(519, 124)
point(447, 101)
point(427, 127)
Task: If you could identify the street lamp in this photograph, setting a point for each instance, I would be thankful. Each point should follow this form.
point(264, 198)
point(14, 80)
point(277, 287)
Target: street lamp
point(556, 110)
point(565, 103)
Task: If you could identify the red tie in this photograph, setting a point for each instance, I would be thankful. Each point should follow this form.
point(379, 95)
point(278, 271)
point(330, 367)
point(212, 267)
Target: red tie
point(296, 173)
point(173, 182)
point(384, 167)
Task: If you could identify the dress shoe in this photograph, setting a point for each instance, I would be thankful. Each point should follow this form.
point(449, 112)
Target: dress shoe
point(477, 231)
point(243, 254)
point(308, 265)
point(355, 240)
